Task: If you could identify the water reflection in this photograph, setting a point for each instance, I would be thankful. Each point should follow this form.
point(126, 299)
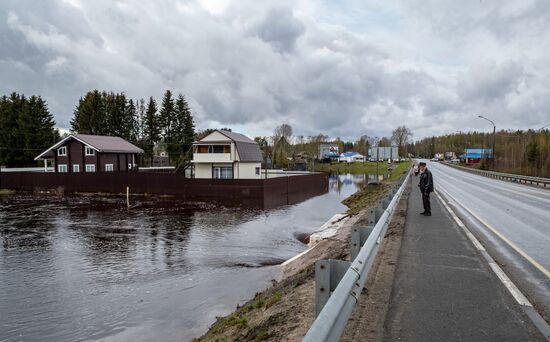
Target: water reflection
point(84, 269)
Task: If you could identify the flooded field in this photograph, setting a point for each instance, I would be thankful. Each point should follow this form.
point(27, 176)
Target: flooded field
point(89, 269)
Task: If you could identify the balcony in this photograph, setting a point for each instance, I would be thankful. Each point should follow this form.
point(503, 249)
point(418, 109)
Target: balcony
point(212, 158)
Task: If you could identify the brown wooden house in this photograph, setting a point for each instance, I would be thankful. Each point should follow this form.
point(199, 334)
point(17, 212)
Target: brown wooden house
point(91, 153)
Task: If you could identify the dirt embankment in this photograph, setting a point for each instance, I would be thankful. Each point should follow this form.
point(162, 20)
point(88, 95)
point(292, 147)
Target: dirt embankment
point(285, 311)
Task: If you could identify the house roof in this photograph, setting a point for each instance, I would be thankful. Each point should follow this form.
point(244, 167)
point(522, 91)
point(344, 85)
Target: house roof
point(100, 143)
point(248, 149)
point(351, 154)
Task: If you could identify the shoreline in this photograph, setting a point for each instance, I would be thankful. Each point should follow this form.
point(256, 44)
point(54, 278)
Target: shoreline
point(265, 317)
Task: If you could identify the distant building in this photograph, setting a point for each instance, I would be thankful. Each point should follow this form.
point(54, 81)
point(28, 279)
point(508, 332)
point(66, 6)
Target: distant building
point(450, 155)
point(91, 153)
point(329, 152)
point(227, 155)
point(475, 155)
point(384, 153)
point(351, 157)
point(160, 161)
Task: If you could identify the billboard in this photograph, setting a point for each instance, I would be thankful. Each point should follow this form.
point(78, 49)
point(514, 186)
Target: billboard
point(384, 153)
point(327, 151)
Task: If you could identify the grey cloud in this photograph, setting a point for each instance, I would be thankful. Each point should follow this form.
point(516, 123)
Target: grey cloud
point(488, 81)
point(280, 28)
point(258, 64)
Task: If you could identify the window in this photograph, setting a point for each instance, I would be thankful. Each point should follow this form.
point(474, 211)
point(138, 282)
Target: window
point(257, 171)
point(222, 172)
point(76, 167)
point(90, 167)
point(62, 152)
point(89, 151)
point(109, 168)
point(216, 149)
point(62, 168)
point(213, 149)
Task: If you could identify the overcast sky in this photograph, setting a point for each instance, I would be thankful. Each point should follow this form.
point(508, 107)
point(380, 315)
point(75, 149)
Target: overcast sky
point(343, 68)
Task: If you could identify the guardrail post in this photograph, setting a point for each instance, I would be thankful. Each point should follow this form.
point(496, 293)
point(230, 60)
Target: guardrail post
point(360, 234)
point(328, 274)
point(386, 201)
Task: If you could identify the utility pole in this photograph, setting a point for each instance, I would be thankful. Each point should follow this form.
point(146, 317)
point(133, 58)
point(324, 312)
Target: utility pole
point(494, 140)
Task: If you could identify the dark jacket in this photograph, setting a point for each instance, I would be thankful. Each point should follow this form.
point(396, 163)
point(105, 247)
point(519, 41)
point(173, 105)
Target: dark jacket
point(426, 183)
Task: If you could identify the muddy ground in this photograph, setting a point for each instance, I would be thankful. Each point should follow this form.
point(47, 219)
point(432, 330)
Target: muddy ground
point(285, 311)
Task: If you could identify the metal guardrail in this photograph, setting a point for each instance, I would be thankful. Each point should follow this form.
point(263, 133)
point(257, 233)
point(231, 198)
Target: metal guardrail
point(507, 176)
point(339, 283)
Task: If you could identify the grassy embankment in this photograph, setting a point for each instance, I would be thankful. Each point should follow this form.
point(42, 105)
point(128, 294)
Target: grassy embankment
point(6, 192)
point(286, 309)
point(354, 168)
point(370, 194)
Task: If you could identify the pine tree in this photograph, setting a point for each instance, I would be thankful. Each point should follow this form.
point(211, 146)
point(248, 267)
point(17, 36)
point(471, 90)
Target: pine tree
point(130, 125)
point(166, 115)
point(167, 120)
point(90, 115)
point(189, 131)
point(139, 122)
point(151, 127)
point(184, 129)
point(26, 129)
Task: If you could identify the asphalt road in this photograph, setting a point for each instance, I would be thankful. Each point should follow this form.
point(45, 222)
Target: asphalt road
point(445, 290)
point(512, 221)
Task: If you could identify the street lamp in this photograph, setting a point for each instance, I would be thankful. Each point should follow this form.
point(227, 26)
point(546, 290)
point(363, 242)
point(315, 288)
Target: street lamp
point(540, 152)
point(494, 137)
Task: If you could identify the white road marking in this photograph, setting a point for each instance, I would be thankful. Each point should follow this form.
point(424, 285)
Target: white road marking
point(510, 286)
point(505, 239)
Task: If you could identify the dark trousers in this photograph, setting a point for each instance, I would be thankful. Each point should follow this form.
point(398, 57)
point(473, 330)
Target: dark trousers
point(426, 203)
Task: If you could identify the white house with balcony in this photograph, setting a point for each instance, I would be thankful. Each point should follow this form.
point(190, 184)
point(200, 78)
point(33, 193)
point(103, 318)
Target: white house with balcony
point(227, 155)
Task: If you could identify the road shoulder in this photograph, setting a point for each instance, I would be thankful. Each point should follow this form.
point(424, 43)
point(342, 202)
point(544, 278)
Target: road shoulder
point(444, 290)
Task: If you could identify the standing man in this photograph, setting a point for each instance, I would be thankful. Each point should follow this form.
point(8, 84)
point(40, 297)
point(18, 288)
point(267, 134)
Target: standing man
point(426, 185)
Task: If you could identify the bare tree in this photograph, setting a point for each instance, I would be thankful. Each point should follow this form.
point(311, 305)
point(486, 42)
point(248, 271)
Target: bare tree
point(282, 139)
point(401, 136)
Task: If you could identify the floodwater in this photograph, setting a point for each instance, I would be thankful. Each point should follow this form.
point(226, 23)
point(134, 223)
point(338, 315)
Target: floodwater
point(88, 269)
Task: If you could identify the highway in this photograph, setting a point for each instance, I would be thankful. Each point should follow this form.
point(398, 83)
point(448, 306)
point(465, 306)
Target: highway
point(511, 220)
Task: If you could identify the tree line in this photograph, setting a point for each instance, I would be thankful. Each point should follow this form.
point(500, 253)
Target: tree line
point(283, 148)
point(26, 129)
point(519, 151)
point(144, 123)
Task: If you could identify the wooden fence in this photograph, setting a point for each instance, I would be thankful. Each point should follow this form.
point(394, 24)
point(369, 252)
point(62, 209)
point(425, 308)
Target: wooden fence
point(262, 193)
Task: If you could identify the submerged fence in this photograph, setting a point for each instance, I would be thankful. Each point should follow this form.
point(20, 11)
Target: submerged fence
point(339, 283)
point(262, 193)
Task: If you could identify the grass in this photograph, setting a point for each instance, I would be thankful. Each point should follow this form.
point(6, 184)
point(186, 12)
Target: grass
point(6, 192)
point(234, 320)
point(244, 321)
point(276, 298)
point(262, 335)
point(355, 168)
point(369, 195)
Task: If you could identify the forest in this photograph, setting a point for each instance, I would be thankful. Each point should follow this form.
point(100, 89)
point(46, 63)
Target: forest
point(27, 127)
point(144, 123)
point(521, 152)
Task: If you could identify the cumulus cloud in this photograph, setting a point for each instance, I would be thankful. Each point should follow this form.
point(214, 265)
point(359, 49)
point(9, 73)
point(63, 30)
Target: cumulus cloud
point(342, 68)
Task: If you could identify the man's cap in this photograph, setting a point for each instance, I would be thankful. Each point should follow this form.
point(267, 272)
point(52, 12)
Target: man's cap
point(422, 164)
